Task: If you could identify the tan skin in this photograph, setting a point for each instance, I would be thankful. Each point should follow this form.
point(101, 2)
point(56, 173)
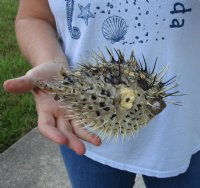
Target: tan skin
point(36, 35)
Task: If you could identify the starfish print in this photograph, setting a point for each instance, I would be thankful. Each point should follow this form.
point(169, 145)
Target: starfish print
point(85, 13)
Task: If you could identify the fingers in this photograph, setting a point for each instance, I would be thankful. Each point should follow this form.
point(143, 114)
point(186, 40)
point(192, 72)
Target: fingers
point(19, 85)
point(73, 141)
point(84, 134)
point(46, 125)
point(25, 83)
point(62, 133)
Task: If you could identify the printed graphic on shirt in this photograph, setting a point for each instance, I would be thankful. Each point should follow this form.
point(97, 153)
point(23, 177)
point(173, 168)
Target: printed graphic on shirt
point(114, 29)
point(85, 13)
point(74, 31)
point(118, 20)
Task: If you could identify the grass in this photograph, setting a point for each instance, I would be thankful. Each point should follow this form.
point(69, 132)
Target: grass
point(17, 112)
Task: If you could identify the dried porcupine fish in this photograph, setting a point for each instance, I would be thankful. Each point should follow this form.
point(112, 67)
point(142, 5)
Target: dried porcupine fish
point(113, 97)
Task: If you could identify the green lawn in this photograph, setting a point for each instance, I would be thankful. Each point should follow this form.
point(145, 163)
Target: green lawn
point(17, 113)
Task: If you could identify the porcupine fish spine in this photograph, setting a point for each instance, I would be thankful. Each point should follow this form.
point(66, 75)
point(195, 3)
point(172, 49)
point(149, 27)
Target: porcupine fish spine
point(74, 31)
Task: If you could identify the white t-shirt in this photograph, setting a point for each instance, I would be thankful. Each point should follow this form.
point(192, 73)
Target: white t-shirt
point(167, 29)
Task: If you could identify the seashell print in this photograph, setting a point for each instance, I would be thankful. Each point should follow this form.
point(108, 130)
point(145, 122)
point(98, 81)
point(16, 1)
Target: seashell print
point(114, 29)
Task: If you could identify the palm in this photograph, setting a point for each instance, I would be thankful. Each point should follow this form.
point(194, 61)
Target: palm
point(51, 118)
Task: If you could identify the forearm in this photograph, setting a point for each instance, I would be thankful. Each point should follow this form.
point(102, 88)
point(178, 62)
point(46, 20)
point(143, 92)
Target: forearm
point(38, 41)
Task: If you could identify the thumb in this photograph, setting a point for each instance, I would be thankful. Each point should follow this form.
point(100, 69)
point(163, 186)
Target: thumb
point(19, 85)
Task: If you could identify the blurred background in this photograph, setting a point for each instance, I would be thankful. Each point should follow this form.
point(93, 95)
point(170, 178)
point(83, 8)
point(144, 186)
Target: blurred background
point(17, 112)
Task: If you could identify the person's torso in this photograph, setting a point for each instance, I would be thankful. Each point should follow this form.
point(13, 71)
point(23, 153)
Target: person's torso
point(167, 29)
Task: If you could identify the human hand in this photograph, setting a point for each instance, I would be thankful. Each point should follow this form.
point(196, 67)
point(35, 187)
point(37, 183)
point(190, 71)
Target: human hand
point(51, 118)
